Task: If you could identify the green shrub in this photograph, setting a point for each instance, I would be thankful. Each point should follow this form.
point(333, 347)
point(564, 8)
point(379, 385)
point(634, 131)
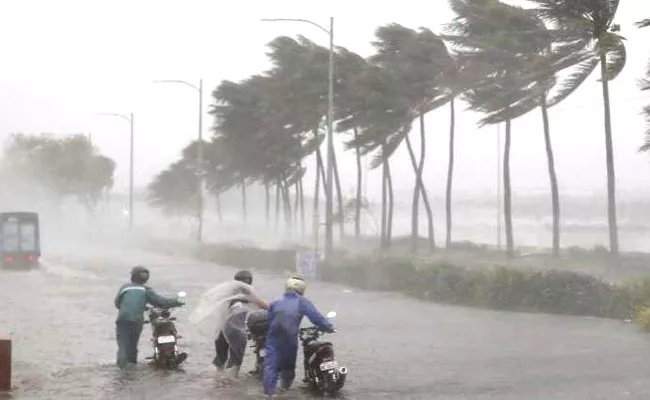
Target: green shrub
point(552, 291)
point(642, 318)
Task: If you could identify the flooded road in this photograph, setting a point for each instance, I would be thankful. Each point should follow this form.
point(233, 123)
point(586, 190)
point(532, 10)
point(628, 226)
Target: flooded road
point(62, 322)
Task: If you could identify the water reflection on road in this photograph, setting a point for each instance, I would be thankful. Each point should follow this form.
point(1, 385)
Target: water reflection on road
point(62, 321)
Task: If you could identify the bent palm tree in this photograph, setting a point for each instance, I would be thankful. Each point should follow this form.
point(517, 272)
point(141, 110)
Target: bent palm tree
point(417, 60)
point(589, 25)
point(495, 40)
point(644, 84)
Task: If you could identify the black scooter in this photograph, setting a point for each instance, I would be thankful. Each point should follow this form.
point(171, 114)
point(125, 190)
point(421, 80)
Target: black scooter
point(164, 338)
point(322, 372)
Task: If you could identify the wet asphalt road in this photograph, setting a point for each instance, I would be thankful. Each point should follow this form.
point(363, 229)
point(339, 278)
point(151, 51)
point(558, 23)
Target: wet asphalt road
point(62, 322)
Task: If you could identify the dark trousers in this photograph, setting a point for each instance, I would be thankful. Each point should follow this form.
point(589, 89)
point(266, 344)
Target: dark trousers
point(127, 334)
point(230, 345)
point(221, 348)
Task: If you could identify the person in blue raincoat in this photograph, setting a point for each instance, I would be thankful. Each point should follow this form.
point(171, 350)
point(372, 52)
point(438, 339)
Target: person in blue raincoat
point(131, 300)
point(285, 315)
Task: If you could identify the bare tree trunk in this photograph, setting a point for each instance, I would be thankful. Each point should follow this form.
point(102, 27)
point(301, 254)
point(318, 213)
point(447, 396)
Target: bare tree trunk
point(450, 170)
point(555, 195)
point(507, 193)
point(609, 151)
point(357, 211)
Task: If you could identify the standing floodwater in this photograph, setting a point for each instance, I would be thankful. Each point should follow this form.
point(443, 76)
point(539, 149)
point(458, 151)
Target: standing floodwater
point(62, 322)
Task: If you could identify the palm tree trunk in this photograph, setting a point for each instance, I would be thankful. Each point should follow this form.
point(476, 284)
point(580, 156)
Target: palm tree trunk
point(555, 196)
point(423, 191)
point(284, 187)
point(243, 201)
point(425, 198)
point(357, 211)
point(450, 170)
point(267, 201)
point(415, 205)
point(507, 193)
point(302, 206)
point(315, 213)
point(391, 204)
point(296, 205)
point(277, 205)
point(384, 195)
point(219, 215)
point(611, 174)
point(321, 169)
point(339, 196)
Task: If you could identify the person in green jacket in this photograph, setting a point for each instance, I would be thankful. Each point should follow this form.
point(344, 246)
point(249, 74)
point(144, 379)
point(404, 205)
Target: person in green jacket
point(131, 301)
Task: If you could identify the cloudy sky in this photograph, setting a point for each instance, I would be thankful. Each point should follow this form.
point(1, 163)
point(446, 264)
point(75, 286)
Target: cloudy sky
point(64, 61)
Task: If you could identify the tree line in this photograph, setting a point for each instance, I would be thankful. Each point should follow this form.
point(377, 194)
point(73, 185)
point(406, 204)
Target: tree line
point(65, 167)
point(503, 61)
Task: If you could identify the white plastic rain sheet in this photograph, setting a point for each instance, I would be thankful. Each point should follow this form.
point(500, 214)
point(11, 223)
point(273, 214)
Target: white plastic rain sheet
point(209, 316)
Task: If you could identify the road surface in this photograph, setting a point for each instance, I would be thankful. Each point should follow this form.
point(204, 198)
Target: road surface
point(62, 322)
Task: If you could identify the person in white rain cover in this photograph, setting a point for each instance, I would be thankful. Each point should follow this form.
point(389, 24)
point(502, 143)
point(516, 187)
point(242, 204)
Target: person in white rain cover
point(231, 341)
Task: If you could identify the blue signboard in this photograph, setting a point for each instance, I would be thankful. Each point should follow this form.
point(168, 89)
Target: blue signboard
point(307, 263)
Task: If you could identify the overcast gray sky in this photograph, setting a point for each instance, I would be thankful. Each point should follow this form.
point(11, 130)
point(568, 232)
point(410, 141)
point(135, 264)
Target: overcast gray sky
point(64, 60)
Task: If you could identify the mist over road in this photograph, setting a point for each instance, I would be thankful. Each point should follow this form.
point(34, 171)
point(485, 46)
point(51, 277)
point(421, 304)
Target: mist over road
point(62, 321)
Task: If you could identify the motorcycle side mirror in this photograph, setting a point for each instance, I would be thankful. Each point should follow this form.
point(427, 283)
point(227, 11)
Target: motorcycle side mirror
point(180, 295)
point(331, 315)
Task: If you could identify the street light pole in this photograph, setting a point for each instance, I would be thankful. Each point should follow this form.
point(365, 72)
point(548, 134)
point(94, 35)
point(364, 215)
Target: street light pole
point(128, 118)
point(199, 156)
point(329, 228)
point(329, 231)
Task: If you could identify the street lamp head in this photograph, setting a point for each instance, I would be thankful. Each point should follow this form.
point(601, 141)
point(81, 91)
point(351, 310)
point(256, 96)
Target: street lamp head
point(197, 88)
point(123, 116)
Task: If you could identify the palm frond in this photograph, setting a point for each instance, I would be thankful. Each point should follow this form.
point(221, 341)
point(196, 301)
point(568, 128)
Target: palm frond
point(643, 23)
point(571, 83)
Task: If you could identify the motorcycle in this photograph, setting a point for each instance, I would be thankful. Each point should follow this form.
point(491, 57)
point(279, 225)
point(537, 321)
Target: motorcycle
point(322, 371)
point(164, 338)
point(257, 325)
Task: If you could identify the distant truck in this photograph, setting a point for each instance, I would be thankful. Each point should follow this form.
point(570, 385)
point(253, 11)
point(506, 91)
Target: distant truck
point(20, 241)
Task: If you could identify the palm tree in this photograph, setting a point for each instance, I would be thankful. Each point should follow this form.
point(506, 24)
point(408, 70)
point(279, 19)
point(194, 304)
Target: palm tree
point(301, 66)
point(644, 84)
point(589, 24)
point(417, 59)
point(495, 41)
point(173, 189)
point(350, 101)
point(262, 137)
point(382, 125)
